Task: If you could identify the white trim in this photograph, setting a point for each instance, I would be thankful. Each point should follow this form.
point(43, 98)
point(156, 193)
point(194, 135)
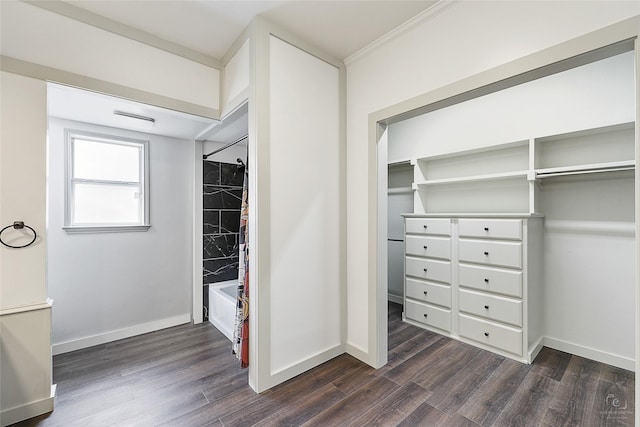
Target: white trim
point(81, 229)
point(54, 75)
point(415, 21)
point(119, 334)
point(28, 410)
point(26, 308)
point(289, 372)
point(197, 268)
point(590, 353)
point(70, 135)
point(395, 298)
point(357, 352)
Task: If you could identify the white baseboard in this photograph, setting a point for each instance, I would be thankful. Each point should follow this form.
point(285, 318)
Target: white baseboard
point(119, 334)
point(285, 373)
point(29, 410)
point(358, 353)
point(394, 298)
point(590, 353)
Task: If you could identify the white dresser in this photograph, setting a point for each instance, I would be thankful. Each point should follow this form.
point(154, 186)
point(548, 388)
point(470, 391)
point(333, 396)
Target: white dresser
point(476, 279)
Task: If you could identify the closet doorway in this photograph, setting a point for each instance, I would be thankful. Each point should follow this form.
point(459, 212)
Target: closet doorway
point(575, 169)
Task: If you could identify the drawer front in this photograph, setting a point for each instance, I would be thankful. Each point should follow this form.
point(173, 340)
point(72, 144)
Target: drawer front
point(428, 226)
point(492, 307)
point(429, 315)
point(492, 228)
point(428, 292)
point(506, 254)
point(438, 247)
point(506, 282)
point(428, 269)
point(491, 334)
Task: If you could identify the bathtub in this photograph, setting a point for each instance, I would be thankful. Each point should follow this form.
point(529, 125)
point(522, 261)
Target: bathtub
point(222, 306)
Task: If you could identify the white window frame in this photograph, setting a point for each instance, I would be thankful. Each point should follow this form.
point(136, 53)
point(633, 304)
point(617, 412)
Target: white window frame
point(69, 224)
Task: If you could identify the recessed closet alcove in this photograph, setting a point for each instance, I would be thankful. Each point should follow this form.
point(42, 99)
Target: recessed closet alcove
point(557, 150)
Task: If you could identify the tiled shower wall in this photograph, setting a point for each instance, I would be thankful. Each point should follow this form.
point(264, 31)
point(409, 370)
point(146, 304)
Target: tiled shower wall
point(222, 199)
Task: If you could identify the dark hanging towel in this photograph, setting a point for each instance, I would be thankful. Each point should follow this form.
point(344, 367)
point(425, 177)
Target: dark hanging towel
point(241, 327)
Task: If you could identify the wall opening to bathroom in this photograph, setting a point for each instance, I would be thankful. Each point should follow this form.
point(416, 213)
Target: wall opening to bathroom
point(110, 283)
point(223, 176)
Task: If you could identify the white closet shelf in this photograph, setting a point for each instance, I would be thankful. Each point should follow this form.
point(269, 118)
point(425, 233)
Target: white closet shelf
point(586, 169)
point(472, 178)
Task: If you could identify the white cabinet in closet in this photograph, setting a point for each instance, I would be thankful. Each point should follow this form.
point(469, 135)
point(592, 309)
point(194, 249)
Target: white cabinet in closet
point(476, 280)
point(427, 293)
point(499, 284)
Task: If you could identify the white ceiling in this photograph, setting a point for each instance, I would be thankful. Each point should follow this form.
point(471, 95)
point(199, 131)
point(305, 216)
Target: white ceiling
point(90, 107)
point(340, 28)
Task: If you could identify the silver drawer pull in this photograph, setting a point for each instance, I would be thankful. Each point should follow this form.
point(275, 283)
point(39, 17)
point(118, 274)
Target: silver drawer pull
point(486, 252)
point(486, 307)
point(486, 334)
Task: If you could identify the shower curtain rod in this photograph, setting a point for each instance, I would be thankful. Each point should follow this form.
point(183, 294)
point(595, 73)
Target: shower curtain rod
point(204, 157)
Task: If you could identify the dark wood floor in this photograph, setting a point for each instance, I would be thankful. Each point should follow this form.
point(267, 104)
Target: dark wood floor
point(186, 376)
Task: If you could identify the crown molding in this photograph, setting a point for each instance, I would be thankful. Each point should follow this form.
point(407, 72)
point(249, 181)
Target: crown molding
point(422, 17)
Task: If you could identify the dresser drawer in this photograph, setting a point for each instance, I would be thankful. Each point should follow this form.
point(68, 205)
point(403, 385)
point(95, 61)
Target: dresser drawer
point(428, 292)
point(428, 226)
point(506, 254)
point(493, 307)
point(506, 282)
point(429, 315)
point(438, 247)
point(491, 228)
point(492, 334)
point(428, 269)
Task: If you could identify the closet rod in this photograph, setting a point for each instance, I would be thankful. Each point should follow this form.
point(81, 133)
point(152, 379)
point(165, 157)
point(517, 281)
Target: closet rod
point(204, 157)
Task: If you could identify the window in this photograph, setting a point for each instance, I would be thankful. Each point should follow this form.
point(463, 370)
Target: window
point(106, 183)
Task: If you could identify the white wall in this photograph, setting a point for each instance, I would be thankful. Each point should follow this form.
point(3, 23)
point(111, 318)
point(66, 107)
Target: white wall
point(462, 40)
point(235, 82)
point(400, 201)
point(228, 155)
point(593, 95)
point(110, 285)
point(36, 35)
point(25, 314)
point(305, 215)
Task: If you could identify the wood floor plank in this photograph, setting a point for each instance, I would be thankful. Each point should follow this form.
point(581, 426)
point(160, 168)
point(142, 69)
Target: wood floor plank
point(441, 369)
point(427, 415)
point(613, 405)
point(551, 363)
point(308, 407)
point(352, 406)
point(530, 402)
point(394, 408)
point(486, 403)
point(572, 402)
point(408, 370)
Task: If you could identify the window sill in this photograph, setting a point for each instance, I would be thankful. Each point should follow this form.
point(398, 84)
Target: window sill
point(105, 229)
